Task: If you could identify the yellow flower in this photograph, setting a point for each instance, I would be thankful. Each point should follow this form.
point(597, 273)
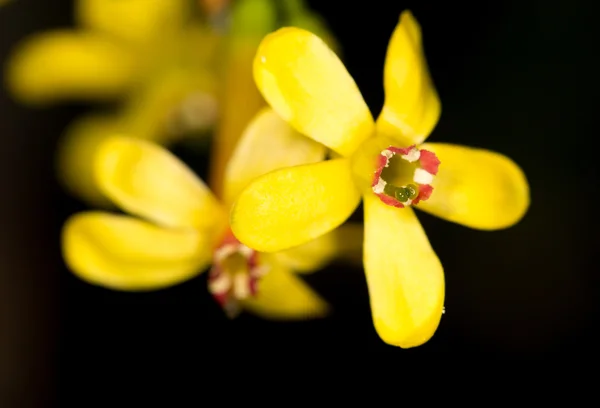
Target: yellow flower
point(154, 57)
point(120, 45)
point(177, 228)
point(385, 163)
point(164, 112)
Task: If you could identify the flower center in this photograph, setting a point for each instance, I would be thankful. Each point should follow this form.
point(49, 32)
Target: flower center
point(235, 274)
point(194, 113)
point(412, 173)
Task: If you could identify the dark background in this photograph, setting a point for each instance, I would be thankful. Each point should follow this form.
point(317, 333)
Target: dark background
point(517, 77)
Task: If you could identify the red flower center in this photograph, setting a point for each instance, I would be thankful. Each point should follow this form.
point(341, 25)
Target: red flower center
point(415, 173)
point(235, 274)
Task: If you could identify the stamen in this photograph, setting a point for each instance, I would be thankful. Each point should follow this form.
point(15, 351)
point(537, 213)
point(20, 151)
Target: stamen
point(235, 274)
point(425, 165)
point(380, 186)
point(220, 284)
point(422, 176)
point(241, 286)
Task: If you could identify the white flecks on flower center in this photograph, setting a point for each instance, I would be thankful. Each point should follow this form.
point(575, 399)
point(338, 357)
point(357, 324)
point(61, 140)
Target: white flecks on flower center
point(235, 275)
point(422, 176)
point(412, 156)
point(380, 186)
point(425, 164)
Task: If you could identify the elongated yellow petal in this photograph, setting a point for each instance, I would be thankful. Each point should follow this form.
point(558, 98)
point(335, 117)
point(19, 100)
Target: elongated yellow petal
point(412, 106)
point(132, 20)
point(62, 64)
point(477, 188)
point(308, 86)
point(298, 14)
point(405, 277)
point(344, 243)
point(283, 296)
point(124, 253)
point(75, 156)
point(291, 206)
point(268, 144)
point(147, 180)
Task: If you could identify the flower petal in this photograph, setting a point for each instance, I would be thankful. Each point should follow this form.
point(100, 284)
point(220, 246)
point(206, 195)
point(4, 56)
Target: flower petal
point(344, 243)
point(405, 277)
point(147, 180)
point(476, 188)
point(301, 16)
point(412, 106)
point(283, 296)
point(125, 253)
point(308, 86)
point(131, 20)
point(267, 144)
point(292, 206)
point(62, 64)
point(75, 156)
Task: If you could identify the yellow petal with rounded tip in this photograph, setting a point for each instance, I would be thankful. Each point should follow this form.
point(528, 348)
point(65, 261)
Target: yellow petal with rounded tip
point(124, 253)
point(404, 275)
point(477, 188)
point(283, 296)
point(131, 20)
point(64, 64)
point(75, 156)
point(308, 86)
point(412, 106)
point(344, 243)
point(147, 180)
point(299, 15)
point(291, 206)
point(267, 144)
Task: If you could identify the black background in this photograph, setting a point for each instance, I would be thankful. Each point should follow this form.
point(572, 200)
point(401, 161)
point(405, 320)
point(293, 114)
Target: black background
point(517, 77)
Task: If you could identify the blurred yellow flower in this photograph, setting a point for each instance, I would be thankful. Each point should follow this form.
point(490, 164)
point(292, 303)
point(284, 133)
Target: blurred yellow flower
point(156, 58)
point(182, 228)
point(384, 162)
point(168, 110)
point(173, 75)
point(119, 45)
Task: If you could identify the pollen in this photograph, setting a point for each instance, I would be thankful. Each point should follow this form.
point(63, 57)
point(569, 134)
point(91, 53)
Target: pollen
point(422, 176)
point(416, 171)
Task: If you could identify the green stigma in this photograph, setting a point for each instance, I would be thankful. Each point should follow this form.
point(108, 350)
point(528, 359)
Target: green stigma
point(413, 191)
point(402, 194)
